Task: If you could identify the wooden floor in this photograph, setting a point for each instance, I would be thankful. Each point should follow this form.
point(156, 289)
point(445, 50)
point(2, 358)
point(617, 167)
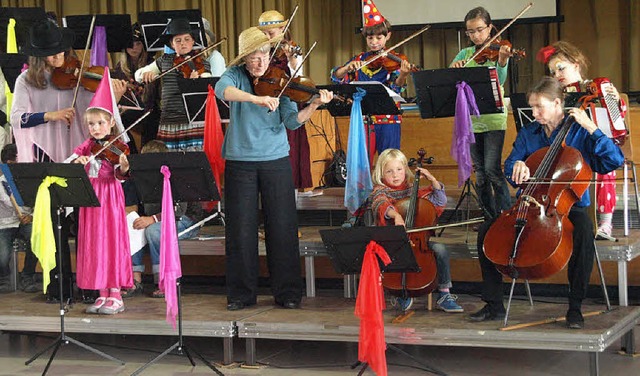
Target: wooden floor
point(326, 319)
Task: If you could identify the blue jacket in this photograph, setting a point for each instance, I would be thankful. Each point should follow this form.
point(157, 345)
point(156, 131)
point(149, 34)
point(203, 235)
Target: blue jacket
point(597, 150)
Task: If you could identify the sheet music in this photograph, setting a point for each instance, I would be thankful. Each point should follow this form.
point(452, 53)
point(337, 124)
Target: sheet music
point(395, 96)
point(602, 120)
point(136, 237)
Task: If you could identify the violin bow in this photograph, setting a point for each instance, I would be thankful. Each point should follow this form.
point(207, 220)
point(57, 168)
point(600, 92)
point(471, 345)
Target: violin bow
point(297, 69)
point(84, 55)
point(189, 59)
point(286, 28)
point(405, 40)
point(490, 40)
point(114, 139)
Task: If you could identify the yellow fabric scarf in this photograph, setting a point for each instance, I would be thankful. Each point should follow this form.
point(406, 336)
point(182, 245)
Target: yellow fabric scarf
point(43, 243)
point(12, 48)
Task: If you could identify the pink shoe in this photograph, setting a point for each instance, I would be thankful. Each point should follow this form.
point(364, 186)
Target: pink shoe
point(95, 307)
point(112, 306)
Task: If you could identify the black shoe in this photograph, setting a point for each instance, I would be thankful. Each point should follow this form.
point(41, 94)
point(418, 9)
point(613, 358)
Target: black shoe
point(574, 319)
point(237, 305)
point(28, 284)
point(289, 303)
point(487, 313)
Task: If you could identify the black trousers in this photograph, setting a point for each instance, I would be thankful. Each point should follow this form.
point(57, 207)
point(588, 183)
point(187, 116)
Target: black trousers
point(578, 270)
point(272, 181)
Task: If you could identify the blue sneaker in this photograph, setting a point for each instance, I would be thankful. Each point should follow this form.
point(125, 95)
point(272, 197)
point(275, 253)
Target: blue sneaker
point(403, 304)
point(447, 303)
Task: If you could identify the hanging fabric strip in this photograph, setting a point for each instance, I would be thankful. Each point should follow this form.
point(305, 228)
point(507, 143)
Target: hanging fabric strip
point(463, 131)
point(359, 184)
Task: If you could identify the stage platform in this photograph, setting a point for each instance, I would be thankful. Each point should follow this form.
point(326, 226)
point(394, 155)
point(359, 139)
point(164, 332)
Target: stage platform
point(331, 319)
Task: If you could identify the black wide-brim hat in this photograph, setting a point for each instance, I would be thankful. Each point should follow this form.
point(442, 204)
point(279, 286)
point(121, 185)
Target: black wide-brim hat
point(47, 39)
point(178, 26)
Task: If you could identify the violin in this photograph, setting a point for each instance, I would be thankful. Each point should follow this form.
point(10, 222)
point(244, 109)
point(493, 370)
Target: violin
point(391, 62)
point(300, 89)
point(112, 152)
point(417, 212)
point(492, 52)
point(66, 77)
point(294, 49)
point(193, 64)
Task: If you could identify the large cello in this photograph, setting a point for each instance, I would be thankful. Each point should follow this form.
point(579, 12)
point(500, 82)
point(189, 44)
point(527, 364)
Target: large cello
point(534, 239)
point(417, 212)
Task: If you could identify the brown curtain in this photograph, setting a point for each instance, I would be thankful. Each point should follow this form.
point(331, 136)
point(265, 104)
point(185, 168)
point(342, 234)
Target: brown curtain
point(607, 31)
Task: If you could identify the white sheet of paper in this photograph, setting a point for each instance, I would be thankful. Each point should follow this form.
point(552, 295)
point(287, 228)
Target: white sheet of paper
point(136, 237)
point(603, 121)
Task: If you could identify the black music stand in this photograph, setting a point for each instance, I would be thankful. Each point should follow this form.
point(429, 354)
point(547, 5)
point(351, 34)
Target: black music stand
point(436, 97)
point(346, 247)
point(377, 101)
point(25, 17)
point(194, 98)
point(117, 26)
point(78, 193)
point(191, 180)
point(12, 67)
point(154, 24)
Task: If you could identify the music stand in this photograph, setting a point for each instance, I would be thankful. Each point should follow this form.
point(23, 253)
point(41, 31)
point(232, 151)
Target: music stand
point(346, 247)
point(194, 97)
point(79, 193)
point(12, 67)
point(191, 180)
point(436, 97)
point(154, 24)
point(117, 27)
point(25, 17)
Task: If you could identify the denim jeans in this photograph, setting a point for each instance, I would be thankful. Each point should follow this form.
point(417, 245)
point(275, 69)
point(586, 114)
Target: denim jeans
point(7, 235)
point(272, 182)
point(486, 154)
point(442, 264)
point(152, 234)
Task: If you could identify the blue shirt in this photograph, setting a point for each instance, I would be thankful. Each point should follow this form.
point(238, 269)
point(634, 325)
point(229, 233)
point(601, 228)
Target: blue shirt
point(253, 133)
point(602, 155)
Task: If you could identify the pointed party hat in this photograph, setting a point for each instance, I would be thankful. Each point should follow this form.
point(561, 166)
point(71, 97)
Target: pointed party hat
point(103, 99)
point(371, 14)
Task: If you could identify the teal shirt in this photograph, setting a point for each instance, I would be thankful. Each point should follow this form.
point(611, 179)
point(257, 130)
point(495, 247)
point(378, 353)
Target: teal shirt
point(253, 133)
point(489, 122)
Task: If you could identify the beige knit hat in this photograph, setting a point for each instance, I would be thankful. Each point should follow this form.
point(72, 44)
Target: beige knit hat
point(271, 19)
point(249, 41)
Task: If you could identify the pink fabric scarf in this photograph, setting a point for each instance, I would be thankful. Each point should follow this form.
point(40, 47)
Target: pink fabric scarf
point(463, 131)
point(170, 269)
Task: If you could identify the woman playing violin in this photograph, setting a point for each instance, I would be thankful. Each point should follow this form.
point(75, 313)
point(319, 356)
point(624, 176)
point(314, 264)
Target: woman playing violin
point(257, 168)
point(272, 23)
point(175, 130)
point(38, 115)
point(489, 130)
point(376, 32)
point(546, 99)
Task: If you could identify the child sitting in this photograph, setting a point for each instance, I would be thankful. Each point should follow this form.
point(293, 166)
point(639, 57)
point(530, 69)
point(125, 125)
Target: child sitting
point(15, 221)
point(393, 181)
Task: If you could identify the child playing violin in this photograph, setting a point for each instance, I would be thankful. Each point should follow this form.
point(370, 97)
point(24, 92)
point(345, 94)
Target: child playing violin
point(393, 181)
point(175, 130)
point(103, 252)
point(567, 64)
point(376, 32)
point(489, 130)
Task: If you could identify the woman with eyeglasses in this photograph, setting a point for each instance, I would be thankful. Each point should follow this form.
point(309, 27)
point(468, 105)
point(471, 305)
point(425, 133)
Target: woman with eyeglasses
point(489, 129)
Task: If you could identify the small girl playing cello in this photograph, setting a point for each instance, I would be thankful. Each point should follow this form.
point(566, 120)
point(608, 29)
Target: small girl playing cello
point(393, 181)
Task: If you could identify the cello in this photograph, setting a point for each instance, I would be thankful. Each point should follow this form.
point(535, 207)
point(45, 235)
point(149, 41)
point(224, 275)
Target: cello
point(534, 239)
point(417, 212)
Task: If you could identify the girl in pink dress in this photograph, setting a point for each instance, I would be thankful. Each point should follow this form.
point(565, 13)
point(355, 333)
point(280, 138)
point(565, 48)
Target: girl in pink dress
point(103, 256)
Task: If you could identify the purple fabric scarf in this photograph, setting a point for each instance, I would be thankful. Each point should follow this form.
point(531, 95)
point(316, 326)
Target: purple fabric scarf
point(463, 131)
point(99, 47)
